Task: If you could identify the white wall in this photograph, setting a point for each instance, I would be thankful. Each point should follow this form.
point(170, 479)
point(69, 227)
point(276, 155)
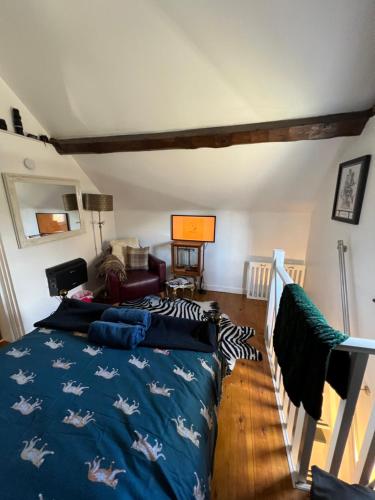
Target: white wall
point(322, 278)
point(27, 265)
point(239, 234)
point(262, 195)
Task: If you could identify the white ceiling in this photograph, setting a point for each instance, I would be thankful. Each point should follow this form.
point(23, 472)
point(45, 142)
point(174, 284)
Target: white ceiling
point(88, 67)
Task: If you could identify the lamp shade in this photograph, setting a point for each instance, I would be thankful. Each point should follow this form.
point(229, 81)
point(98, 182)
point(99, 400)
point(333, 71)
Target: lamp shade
point(97, 202)
point(70, 202)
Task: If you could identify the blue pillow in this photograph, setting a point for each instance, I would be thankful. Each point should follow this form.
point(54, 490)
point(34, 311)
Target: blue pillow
point(327, 487)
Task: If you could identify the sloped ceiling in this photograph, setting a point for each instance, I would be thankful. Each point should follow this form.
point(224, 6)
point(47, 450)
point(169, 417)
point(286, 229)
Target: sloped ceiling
point(96, 67)
point(258, 177)
point(88, 67)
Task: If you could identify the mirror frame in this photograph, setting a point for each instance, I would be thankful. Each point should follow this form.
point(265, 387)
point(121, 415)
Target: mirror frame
point(10, 190)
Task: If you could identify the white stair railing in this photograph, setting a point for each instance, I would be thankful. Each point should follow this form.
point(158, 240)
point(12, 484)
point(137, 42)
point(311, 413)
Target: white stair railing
point(298, 427)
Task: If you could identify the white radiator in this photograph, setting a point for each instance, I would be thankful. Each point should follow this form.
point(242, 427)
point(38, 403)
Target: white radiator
point(259, 273)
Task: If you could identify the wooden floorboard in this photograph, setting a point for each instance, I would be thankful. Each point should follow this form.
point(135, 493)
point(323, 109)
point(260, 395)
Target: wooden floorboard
point(250, 459)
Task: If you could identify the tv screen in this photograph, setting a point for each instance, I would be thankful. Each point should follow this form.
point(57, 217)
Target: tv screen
point(50, 223)
point(193, 228)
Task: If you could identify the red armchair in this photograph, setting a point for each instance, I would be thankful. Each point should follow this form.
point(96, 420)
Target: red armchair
point(138, 283)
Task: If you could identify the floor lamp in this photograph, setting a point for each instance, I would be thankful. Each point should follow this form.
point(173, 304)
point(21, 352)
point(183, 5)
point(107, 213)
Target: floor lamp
point(98, 203)
point(70, 202)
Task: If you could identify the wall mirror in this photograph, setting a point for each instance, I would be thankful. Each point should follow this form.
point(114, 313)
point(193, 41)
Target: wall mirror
point(44, 208)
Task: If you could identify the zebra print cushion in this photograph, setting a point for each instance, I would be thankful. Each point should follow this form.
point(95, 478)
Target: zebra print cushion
point(232, 338)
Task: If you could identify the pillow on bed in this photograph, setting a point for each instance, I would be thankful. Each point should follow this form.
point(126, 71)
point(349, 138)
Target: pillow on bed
point(137, 258)
point(327, 487)
point(73, 315)
point(119, 247)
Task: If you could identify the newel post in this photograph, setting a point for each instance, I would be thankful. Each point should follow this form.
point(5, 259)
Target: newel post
point(274, 294)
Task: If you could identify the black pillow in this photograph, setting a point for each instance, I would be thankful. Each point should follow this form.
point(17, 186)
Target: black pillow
point(327, 487)
point(73, 315)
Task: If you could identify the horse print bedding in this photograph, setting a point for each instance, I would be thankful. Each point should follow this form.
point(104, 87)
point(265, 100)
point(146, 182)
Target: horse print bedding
point(78, 421)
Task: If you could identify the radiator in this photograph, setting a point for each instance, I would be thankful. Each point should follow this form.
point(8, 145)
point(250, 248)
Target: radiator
point(259, 273)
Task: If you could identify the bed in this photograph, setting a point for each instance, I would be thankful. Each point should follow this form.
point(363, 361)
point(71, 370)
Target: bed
point(78, 421)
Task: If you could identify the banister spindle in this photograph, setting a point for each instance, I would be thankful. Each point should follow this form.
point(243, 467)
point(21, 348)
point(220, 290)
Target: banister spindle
point(346, 412)
point(366, 459)
point(308, 436)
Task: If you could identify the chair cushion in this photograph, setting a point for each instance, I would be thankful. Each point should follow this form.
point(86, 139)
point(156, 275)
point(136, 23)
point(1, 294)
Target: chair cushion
point(139, 284)
point(137, 258)
point(140, 278)
point(119, 247)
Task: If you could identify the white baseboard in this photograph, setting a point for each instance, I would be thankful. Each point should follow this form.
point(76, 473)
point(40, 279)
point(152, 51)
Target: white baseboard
point(227, 289)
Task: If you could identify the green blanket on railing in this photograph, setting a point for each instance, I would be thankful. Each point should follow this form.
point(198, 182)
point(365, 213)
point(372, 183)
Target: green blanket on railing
point(304, 343)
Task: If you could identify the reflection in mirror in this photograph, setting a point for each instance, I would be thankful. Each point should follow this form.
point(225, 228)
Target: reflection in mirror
point(47, 209)
point(44, 208)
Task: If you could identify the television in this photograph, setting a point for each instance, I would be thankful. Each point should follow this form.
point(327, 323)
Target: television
point(51, 223)
point(193, 228)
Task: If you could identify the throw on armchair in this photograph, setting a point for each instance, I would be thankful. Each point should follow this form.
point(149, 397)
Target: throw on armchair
point(139, 282)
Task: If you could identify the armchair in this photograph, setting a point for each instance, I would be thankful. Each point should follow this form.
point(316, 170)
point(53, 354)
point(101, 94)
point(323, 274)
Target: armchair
point(138, 283)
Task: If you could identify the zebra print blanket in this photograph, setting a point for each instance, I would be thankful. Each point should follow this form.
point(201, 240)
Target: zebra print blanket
point(232, 338)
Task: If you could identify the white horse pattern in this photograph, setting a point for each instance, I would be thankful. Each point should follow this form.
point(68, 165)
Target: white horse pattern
point(26, 407)
point(207, 367)
point(150, 452)
point(69, 387)
point(185, 432)
point(188, 376)
point(161, 391)
point(76, 419)
point(105, 373)
point(206, 415)
point(96, 473)
point(198, 493)
point(92, 350)
point(54, 344)
point(125, 407)
point(33, 454)
point(18, 353)
point(61, 363)
point(138, 363)
point(22, 378)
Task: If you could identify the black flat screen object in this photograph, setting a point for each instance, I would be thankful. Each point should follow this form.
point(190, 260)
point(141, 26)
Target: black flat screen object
point(66, 276)
point(3, 124)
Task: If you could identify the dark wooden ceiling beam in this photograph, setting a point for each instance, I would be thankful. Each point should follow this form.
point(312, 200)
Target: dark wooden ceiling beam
point(300, 129)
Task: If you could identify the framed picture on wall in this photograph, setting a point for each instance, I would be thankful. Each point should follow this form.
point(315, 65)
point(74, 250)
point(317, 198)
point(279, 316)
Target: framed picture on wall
point(350, 189)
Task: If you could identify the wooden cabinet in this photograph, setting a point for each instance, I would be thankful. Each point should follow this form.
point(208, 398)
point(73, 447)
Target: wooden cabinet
point(187, 258)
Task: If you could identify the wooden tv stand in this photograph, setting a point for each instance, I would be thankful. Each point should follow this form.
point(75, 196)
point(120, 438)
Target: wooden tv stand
point(188, 258)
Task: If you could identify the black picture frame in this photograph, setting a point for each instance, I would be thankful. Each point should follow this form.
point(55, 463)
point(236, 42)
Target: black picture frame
point(350, 189)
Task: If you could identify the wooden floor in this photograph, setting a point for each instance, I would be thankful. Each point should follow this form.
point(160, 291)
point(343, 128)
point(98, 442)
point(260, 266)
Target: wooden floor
point(250, 460)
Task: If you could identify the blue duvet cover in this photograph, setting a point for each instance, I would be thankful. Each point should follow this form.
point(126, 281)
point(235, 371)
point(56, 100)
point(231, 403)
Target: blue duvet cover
point(82, 422)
